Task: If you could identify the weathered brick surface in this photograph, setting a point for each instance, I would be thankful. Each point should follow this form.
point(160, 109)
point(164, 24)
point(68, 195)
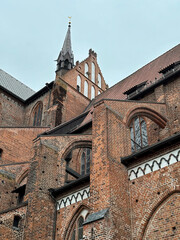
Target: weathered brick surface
point(7, 232)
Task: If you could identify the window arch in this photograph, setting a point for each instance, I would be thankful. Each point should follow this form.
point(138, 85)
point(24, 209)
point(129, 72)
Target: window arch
point(37, 114)
point(79, 83)
point(86, 88)
point(86, 70)
point(92, 92)
point(76, 232)
point(99, 80)
point(138, 131)
point(85, 161)
point(93, 72)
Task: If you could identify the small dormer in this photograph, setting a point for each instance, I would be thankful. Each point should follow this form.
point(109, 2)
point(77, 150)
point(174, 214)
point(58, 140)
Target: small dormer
point(134, 90)
point(170, 69)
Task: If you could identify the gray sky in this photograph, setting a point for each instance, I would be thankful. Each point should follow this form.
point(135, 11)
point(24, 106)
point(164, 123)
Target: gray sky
point(126, 34)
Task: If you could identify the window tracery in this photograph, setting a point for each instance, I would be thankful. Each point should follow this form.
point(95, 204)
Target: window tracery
point(85, 161)
point(138, 132)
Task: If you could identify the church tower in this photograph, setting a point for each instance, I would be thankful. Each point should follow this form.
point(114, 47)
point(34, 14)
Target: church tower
point(65, 59)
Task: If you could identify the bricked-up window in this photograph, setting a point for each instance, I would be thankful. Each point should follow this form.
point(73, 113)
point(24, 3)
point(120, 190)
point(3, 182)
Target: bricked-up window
point(16, 221)
point(85, 161)
point(92, 92)
point(93, 72)
point(79, 83)
point(99, 80)
point(37, 115)
point(86, 88)
point(77, 233)
point(138, 131)
point(86, 70)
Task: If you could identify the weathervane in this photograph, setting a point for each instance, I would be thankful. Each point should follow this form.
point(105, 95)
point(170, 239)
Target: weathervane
point(69, 21)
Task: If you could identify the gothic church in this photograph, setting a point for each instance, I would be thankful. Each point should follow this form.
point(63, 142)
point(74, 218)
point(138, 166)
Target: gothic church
point(79, 160)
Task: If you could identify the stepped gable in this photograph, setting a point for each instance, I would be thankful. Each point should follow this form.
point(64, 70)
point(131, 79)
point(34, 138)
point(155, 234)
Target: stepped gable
point(149, 73)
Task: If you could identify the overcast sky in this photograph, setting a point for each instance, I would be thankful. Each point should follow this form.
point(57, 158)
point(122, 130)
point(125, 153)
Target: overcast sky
point(126, 34)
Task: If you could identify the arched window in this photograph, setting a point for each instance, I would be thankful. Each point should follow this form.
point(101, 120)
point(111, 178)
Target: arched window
point(86, 70)
point(79, 83)
point(85, 161)
point(77, 229)
point(93, 72)
point(92, 92)
point(86, 88)
point(99, 80)
point(138, 134)
point(37, 114)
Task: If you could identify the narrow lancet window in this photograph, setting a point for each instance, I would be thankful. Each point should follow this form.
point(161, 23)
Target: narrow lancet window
point(92, 92)
point(138, 133)
point(93, 72)
point(86, 88)
point(79, 83)
point(99, 80)
point(86, 70)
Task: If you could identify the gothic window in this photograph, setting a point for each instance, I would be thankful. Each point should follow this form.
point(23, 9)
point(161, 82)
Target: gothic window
point(86, 88)
point(79, 83)
point(99, 80)
point(16, 221)
point(86, 70)
point(77, 233)
point(92, 92)
point(85, 161)
point(93, 72)
point(37, 115)
point(138, 134)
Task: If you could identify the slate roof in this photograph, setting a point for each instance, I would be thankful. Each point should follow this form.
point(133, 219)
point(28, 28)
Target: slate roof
point(14, 86)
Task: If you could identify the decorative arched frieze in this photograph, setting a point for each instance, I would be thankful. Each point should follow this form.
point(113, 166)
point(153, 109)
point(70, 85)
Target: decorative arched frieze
point(158, 201)
point(146, 112)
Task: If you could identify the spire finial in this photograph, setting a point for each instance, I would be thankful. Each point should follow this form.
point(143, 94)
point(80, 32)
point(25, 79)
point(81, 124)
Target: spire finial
point(69, 21)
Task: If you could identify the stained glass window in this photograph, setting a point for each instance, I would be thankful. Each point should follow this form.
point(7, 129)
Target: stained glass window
point(138, 132)
point(85, 161)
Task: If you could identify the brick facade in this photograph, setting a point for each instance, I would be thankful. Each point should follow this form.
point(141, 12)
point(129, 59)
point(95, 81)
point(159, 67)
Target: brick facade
point(128, 193)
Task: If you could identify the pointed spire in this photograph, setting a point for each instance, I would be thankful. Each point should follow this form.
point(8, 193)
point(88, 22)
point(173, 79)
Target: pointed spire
point(65, 60)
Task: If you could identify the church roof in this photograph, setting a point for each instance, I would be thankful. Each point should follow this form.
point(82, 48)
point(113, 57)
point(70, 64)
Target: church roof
point(149, 73)
point(14, 86)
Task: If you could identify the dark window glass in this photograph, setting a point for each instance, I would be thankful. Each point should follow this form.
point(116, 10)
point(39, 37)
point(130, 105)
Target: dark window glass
point(37, 115)
point(85, 161)
point(0, 153)
point(80, 228)
point(73, 235)
point(16, 221)
point(138, 134)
